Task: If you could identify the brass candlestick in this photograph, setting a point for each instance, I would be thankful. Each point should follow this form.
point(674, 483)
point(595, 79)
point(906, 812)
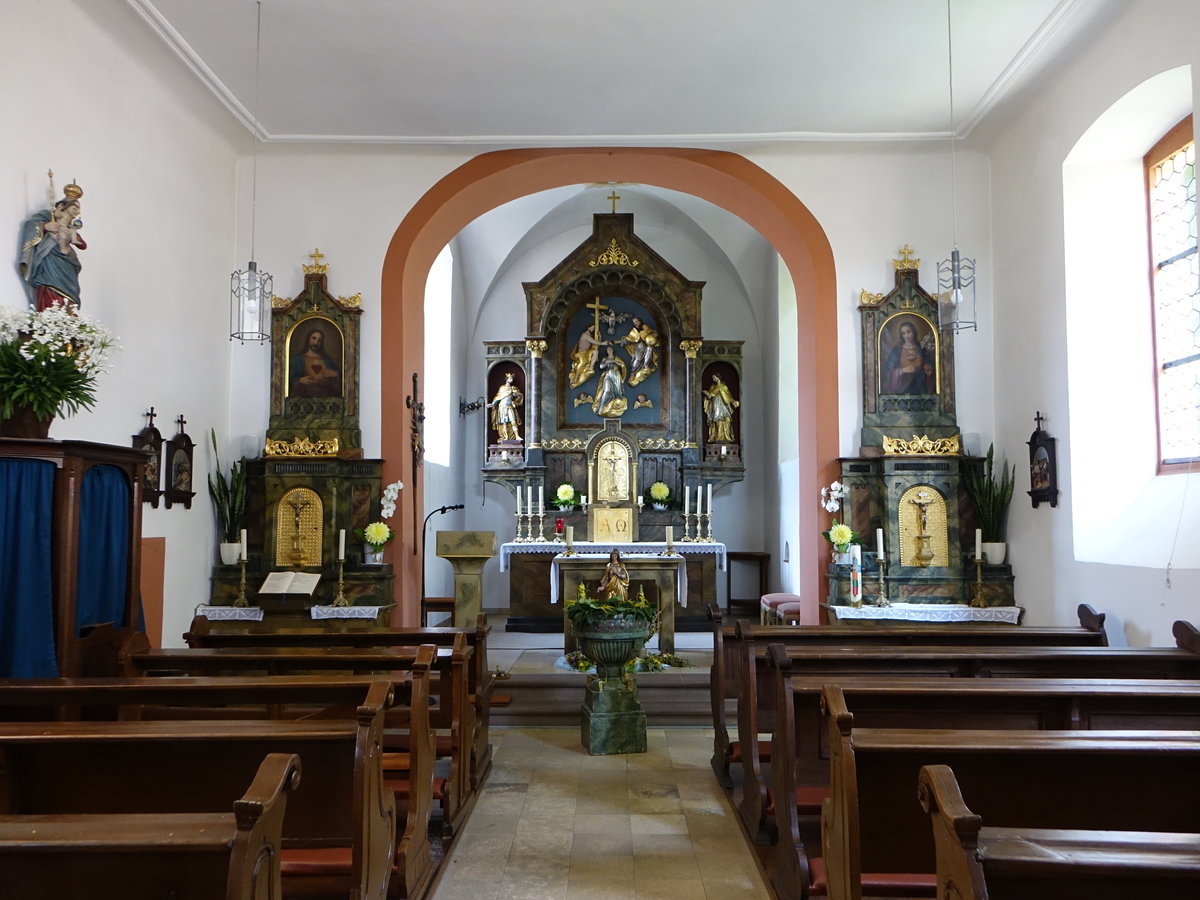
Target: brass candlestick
point(881, 599)
point(687, 529)
point(241, 600)
point(341, 599)
point(977, 588)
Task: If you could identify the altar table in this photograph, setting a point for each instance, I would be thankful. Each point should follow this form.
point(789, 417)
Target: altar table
point(928, 612)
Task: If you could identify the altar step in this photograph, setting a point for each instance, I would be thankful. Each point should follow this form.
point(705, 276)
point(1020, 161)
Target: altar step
point(668, 698)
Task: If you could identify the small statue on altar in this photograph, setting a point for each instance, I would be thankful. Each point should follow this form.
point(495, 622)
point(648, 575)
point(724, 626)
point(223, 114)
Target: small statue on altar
point(506, 413)
point(614, 584)
point(718, 407)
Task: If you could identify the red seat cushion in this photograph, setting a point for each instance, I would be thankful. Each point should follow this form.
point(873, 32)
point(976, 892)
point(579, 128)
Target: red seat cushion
point(808, 800)
point(316, 861)
point(735, 751)
point(892, 884)
point(401, 787)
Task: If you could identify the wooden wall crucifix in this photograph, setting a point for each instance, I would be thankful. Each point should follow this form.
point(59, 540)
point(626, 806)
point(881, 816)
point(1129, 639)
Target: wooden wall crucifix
point(417, 406)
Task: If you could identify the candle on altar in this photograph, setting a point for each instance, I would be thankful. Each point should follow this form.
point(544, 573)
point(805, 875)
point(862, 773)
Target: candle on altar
point(570, 536)
point(670, 539)
point(879, 542)
point(855, 575)
point(541, 502)
point(342, 545)
point(518, 500)
point(641, 502)
point(978, 543)
point(583, 501)
point(558, 526)
point(687, 499)
point(243, 547)
point(708, 505)
point(529, 498)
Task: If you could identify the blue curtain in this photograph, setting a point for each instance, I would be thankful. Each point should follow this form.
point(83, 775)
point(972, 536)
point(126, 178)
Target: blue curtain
point(26, 594)
point(103, 572)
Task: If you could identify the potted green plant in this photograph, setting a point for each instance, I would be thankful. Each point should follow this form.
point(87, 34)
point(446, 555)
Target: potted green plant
point(991, 497)
point(658, 495)
point(228, 493)
point(49, 362)
point(565, 496)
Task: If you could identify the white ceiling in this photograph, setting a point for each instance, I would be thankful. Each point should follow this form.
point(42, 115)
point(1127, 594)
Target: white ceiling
point(562, 72)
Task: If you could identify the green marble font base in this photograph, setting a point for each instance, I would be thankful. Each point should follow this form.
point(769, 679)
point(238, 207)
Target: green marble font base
point(611, 719)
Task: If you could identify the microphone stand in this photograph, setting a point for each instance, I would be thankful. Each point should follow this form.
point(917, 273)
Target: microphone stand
point(424, 525)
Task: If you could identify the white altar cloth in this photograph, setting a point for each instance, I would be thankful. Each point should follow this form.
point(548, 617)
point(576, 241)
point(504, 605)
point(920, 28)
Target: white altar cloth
point(344, 612)
point(230, 613)
point(587, 548)
point(932, 612)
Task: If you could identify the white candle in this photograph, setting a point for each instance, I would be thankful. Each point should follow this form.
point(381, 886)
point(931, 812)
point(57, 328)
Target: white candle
point(641, 502)
point(342, 545)
point(687, 499)
point(708, 505)
point(529, 498)
point(879, 542)
point(570, 536)
point(518, 500)
point(583, 501)
point(243, 550)
point(978, 544)
point(855, 575)
point(670, 538)
point(541, 502)
point(724, 450)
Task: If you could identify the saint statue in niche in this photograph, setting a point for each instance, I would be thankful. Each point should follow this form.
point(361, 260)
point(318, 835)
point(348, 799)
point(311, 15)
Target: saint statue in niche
point(610, 399)
point(313, 369)
point(718, 407)
point(506, 412)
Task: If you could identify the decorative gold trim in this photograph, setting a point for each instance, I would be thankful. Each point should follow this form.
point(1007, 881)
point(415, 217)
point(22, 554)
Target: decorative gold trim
point(690, 348)
point(302, 446)
point(662, 444)
point(923, 446)
point(565, 444)
point(536, 348)
point(317, 267)
point(866, 298)
point(353, 302)
point(278, 302)
point(906, 262)
point(614, 256)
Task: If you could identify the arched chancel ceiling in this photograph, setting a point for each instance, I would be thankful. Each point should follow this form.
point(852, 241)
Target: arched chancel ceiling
point(725, 179)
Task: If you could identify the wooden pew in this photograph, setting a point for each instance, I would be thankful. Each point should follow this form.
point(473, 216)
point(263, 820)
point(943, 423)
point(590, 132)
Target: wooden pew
point(1020, 863)
point(148, 856)
point(728, 650)
point(937, 703)
point(453, 713)
point(480, 683)
point(340, 835)
point(874, 831)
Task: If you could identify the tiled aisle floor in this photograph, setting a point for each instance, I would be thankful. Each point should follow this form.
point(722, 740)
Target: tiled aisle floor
point(554, 822)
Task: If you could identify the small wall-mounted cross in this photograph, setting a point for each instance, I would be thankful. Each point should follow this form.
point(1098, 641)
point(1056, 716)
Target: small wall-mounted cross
point(1038, 420)
point(316, 256)
point(150, 415)
point(614, 197)
point(181, 421)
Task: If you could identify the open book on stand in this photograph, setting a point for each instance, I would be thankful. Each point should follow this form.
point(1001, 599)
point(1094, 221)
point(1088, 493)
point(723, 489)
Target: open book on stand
point(290, 583)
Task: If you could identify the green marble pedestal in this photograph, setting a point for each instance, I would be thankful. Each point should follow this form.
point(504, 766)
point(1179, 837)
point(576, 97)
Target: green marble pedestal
point(611, 718)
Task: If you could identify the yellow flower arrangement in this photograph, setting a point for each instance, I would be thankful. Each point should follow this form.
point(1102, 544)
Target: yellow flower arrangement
point(376, 535)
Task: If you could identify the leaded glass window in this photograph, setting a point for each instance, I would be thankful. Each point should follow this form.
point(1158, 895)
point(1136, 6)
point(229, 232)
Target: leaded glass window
point(1175, 277)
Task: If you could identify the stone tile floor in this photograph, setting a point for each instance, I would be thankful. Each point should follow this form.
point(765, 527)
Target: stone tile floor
point(554, 822)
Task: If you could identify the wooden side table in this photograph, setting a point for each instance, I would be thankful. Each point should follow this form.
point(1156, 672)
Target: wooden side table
point(756, 557)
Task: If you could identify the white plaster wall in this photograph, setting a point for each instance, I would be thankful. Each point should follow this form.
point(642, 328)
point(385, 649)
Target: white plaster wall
point(1027, 148)
point(107, 106)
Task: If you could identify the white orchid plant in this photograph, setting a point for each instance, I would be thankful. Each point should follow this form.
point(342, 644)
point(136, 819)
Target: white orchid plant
point(378, 535)
point(838, 533)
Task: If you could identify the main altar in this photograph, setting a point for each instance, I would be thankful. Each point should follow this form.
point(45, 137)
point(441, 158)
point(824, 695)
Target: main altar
point(612, 389)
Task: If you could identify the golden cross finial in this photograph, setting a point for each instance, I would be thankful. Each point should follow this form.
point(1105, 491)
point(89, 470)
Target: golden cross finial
point(316, 256)
point(614, 197)
point(906, 253)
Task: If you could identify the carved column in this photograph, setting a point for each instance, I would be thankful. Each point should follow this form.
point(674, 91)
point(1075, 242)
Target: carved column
point(534, 432)
point(690, 349)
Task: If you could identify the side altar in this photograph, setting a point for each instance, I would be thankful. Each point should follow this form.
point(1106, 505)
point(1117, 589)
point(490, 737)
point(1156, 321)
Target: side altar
point(312, 488)
point(904, 492)
point(613, 390)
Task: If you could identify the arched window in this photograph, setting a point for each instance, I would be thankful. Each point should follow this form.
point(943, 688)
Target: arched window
point(1175, 295)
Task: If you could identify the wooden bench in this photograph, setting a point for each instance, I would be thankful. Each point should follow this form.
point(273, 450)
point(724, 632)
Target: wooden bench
point(148, 856)
point(339, 835)
point(1010, 704)
point(947, 651)
point(480, 682)
point(876, 839)
point(975, 862)
point(452, 715)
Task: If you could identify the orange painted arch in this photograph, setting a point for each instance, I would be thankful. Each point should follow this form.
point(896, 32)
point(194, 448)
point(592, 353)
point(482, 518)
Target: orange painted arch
point(724, 179)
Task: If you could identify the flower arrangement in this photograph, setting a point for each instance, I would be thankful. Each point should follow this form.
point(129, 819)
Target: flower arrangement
point(651, 662)
point(659, 493)
point(50, 359)
point(838, 533)
point(586, 612)
point(378, 535)
point(565, 496)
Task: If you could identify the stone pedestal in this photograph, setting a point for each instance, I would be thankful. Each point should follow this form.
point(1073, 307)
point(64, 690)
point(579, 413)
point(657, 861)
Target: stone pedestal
point(467, 552)
point(611, 719)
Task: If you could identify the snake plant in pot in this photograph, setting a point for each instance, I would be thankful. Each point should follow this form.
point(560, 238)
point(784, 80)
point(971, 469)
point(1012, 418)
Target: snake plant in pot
point(228, 493)
point(991, 496)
